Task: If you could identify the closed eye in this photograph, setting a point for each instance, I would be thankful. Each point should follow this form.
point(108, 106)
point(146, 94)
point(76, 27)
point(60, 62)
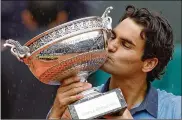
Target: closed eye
point(126, 44)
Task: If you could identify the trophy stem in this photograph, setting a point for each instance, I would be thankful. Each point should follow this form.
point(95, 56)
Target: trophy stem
point(83, 76)
point(87, 93)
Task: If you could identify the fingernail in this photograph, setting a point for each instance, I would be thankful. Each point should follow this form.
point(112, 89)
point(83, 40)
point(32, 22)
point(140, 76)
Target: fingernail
point(79, 96)
point(89, 85)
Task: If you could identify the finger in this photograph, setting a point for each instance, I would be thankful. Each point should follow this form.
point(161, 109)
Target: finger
point(69, 87)
point(70, 80)
point(63, 89)
point(127, 114)
point(64, 102)
point(77, 90)
point(66, 115)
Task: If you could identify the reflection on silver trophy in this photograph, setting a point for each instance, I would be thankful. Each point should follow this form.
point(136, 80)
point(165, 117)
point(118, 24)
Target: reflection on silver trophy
point(76, 47)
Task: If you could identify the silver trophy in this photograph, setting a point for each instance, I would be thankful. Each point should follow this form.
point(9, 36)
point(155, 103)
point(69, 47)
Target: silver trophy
point(76, 47)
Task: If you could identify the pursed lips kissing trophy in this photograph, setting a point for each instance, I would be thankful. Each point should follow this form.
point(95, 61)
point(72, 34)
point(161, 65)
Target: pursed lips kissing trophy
point(76, 47)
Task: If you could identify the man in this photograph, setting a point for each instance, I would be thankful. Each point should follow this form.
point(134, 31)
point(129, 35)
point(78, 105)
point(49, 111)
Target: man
point(23, 96)
point(139, 50)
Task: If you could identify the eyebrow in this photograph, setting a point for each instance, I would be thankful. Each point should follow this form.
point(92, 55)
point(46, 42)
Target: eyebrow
point(127, 40)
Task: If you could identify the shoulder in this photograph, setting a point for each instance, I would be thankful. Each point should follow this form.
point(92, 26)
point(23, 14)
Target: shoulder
point(169, 104)
point(165, 97)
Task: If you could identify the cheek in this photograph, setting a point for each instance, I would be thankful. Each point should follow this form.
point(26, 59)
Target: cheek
point(129, 58)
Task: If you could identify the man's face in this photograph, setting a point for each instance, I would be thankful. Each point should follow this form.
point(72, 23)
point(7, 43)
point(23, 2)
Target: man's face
point(125, 50)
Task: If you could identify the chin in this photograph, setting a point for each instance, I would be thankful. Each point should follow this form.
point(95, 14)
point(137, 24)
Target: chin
point(106, 68)
point(102, 67)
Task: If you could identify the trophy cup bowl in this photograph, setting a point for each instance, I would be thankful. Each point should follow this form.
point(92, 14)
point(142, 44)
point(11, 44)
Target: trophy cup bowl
point(76, 47)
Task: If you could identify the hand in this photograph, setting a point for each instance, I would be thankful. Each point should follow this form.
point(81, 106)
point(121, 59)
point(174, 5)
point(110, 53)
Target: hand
point(67, 93)
point(126, 115)
point(66, 115)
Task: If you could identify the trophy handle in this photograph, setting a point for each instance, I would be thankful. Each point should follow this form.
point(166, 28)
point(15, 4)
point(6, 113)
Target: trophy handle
point(17, 49)
point(107, 20)
point(107, 11)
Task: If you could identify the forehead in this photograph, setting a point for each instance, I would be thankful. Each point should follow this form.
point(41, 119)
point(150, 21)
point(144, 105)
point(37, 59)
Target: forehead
point(129, 28)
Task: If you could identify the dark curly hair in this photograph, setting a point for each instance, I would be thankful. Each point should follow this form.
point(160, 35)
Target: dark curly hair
point(158, 35)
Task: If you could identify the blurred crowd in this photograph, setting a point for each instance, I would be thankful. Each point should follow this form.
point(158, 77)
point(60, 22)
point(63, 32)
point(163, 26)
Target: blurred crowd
point(21, 18)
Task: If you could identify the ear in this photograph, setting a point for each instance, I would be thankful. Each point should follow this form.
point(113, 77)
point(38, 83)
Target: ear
point(62, 17)
point(28, 21)
point(149, 64)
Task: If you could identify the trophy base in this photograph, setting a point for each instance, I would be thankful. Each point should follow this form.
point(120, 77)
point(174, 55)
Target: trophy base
point(96, 105)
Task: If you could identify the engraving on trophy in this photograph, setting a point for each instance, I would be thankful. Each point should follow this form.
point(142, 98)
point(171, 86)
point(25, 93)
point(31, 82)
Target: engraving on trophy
point(96, 23)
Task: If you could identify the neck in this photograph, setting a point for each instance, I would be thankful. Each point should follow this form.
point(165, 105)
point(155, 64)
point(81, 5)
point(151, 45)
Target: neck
point(133, 89)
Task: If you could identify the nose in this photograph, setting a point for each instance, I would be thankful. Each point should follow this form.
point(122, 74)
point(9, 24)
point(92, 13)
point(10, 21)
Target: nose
point(112, 45)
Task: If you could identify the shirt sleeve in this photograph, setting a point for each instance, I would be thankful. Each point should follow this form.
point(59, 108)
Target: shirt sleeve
point(48, 114)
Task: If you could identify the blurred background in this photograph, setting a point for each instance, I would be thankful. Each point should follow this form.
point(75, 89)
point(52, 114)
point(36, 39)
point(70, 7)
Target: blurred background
point(25, 97)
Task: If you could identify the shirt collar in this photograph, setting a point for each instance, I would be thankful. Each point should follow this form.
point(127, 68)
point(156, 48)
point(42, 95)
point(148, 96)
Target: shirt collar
point(105, 88)
point(149, 104)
